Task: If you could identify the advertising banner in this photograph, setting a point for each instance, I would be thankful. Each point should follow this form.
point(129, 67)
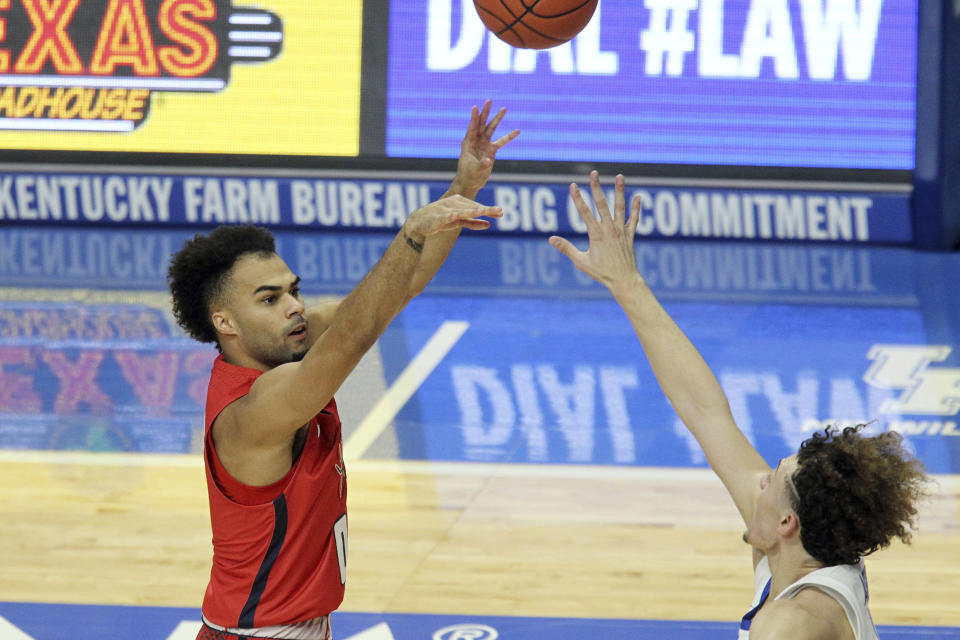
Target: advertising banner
point(723, 82)
point(180, 76)
point(777, 213)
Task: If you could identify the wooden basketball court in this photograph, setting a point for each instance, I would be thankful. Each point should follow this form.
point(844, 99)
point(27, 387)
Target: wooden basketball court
point(441, 538)
point(428, 533)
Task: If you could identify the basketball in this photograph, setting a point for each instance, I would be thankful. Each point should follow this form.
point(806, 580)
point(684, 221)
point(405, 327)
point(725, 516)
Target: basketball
point(535, 24)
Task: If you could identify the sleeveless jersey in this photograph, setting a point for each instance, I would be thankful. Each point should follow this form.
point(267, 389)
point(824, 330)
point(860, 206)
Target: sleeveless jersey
point(279, 552)
point(845, 583)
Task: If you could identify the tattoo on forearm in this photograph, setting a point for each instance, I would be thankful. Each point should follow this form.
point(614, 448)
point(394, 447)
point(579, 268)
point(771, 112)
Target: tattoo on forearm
point(413, 244)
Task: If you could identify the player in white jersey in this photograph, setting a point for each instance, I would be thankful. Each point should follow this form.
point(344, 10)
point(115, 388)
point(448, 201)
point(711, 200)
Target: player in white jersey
point(845, 583)
point(810, 520)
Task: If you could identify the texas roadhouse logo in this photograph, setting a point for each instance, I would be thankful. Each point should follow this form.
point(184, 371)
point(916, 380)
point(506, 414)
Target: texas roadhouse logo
point(92, 65)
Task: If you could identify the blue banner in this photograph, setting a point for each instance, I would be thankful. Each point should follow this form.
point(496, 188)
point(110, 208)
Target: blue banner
point(118, 199)
point(739, 82)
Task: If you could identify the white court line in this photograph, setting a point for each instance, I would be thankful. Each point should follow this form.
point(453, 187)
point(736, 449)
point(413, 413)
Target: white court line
point(186, 630)
point(10, 632)
point(380, 632)
point(403, 388)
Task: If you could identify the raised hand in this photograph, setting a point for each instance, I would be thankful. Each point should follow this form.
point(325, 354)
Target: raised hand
point(448, 213)
point(610, 258)
point(478, 151)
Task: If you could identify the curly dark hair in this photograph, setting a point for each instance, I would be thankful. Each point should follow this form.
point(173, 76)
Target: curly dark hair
point(199, 271)
point(855, 493)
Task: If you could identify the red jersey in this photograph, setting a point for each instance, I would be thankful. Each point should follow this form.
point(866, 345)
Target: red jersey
point(279, 552)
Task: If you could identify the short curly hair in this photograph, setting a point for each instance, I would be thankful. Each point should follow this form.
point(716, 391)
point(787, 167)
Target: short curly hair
point(855, 493)
point(199, 272)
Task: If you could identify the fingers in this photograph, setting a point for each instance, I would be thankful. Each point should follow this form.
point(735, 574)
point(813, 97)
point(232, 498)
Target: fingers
point(484, 113)
point(477, 211)
point(474, 123)
point(469, 218)
point(505, 139)
point(475, 225)
point(566, 248)
point(490, 212)
point(634, 218)
point(619, 205)
point(492, 126)
point(599, 199)
point(586, 214)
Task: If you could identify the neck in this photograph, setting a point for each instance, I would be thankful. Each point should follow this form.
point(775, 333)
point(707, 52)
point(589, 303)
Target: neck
point(788, 564)
point(239, 358)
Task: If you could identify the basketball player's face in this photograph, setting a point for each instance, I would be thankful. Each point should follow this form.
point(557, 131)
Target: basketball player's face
point(266, 310)
point(773, 503)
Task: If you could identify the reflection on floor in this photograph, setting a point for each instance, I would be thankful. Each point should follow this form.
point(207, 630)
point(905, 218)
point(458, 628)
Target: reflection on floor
point(548, 370)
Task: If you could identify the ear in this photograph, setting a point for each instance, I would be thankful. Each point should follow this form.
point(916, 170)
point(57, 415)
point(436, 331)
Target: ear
point(789, 524)
point(224, 323)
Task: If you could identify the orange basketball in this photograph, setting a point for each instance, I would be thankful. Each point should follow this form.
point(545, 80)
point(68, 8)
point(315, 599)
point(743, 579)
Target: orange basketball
point(535, 24)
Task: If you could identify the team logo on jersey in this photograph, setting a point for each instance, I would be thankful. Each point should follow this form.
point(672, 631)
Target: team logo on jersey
point(93, 65)
point(926, 389)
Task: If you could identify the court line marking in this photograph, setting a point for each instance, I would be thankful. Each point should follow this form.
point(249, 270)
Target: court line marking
point(186, 630)
point(9, 632)
point(403, 388)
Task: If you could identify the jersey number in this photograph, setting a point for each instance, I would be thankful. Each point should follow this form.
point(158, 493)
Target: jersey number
point(340, 535)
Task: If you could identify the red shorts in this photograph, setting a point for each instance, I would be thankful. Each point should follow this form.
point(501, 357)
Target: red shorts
point(321, 627)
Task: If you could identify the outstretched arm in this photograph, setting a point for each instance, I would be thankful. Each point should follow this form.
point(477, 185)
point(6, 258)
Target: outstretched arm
point(477, 154)
point(478, 151)
point(287, 396)
point(683, 375)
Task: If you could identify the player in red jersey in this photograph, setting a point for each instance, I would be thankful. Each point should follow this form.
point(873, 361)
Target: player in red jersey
point(272, 445)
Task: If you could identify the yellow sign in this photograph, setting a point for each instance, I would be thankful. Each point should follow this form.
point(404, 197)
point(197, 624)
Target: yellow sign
point(181, 76)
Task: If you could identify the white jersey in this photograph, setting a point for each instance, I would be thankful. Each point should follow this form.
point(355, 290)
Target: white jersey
point(845, 583)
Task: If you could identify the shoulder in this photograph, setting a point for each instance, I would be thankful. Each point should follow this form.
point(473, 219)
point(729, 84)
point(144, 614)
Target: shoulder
point(230, 381)
point(810, 615)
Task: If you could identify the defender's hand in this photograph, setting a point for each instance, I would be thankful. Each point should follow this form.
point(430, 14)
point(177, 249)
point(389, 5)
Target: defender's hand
point(610, 258)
